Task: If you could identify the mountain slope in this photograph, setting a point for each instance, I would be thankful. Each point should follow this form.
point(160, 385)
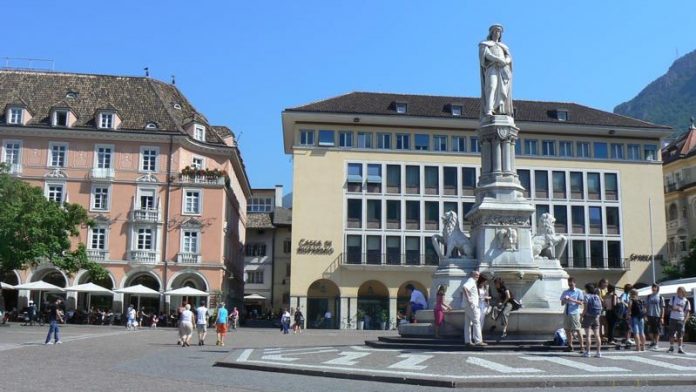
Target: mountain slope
point(668, 100)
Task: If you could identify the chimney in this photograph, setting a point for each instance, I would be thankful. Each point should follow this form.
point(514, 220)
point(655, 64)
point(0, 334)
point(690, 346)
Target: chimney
point(278, 195)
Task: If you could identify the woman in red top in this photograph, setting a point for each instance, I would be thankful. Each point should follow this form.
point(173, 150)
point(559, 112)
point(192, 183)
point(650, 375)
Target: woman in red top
point(440, 308)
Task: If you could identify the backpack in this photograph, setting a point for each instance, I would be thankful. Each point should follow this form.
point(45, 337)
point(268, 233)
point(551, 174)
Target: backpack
point(594, 305)
point(560, 338)
point(638, 308)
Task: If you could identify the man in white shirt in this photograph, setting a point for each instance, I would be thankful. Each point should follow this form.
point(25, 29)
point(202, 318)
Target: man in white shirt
point(472, 312)
point(202, 322)
point(679, 308)
point(416, 302)
point(328, 323)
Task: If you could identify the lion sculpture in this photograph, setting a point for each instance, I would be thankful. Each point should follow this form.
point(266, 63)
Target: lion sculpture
point(546, 243)
point(452, 238)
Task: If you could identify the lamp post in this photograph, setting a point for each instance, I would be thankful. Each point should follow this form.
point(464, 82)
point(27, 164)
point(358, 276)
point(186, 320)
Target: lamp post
point(652, 252)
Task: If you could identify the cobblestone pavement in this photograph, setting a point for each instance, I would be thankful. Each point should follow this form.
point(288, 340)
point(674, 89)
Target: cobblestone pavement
point(110, 358)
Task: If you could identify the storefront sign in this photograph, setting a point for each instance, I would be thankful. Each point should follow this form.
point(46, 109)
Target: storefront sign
point(315, 247)
point(635, 257)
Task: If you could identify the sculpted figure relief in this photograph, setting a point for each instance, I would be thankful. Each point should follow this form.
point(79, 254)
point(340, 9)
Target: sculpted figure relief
point(496, 74)
point(452, 238)
point(546, 242)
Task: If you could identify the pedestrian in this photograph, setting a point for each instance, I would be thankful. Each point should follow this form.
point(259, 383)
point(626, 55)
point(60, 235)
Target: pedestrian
point(439, 311)
point(679, 312)
point(154, 320)
point(328, 324)
point(202, 322)
point(221, 324)
point(609, 302)
point(622, 303)
point(130, 318)
point(502, 310)
point(572, 299)
point(55, 316)
point(235, 318)
point(472, 315)
point(656, 316)
point(416, 302)
point(299, 321)
point(637, 313)
point(603, 289)
point(484, 298)
point(31, 313)
point(285, 321)
point(186, 326)
point(592, 309)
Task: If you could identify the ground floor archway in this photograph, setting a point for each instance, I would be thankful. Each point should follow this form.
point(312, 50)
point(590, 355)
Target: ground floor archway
point(148, 304)
point(86, 301)
point(188, 279)
point(49, 275)
point(10, 298)
point(373, 304)
point(323, 296)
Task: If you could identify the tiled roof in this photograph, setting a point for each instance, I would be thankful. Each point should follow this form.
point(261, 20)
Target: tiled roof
point(683, 146)
point(440, 106)
point(138, 100)
point(259, 220)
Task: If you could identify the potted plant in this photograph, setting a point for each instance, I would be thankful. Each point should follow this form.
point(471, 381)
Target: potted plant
point(383, 318)
point(360, 315)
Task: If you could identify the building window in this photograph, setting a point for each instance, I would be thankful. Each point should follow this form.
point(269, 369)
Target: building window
point(432, 215)
point(364, 140)
point(393, 179)
point(199, 132)
point(633, 152)
point(412, 215)
point(401, 107)
point(57, 154)
point(256, 249)
point(613, 226)
point(374, 214)
point(565, 149)
point(287, 246)
point(614, 254)
point(548, 148)
point(421, 142)
point(559, 185)
point(355, 177)
point(403, 141)
point(431, 180)
point(260, 204)
point(597, 254)
point(600, 150)
point(326, 138)
point(146, 197)
point(345, 139)
point(374, 178)
point(560, 213)
point(439, 143)
point(617, 151)
point(594, 190)
point(577, 189)
point(456, 110)
point(190, 242)
point(106, 120)
point(582, 149)
point(100, 198)
point(579, 253)
point(518, 147)
point(255, 277)
point(393, 214)
point(468, 181)
point(15, 116)
point(449, 180)
point(306, 137)
point(459, 143)
point(475, 146)
point(611, 187)
point(354, 213)
point(413, 252)
point(354, 249)
point(54, 192)
point(541, 184)
point(97, 238)
point(595, 220)
point(198, 163)
point(103, 158)
point(561, 115)
point(577, 218)
point(384, 141)
point(148, 159)
point(412, 179)
point(539, 210)
point(525, 181)
point(393, 250)
point(151, 125)
point(192, 202)
point(145, 240)
point(12, 150)
point(650, 152)
point(60, 118)
point(530, 147)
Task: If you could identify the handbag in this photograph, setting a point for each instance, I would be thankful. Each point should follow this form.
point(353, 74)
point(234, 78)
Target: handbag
point(516, 304)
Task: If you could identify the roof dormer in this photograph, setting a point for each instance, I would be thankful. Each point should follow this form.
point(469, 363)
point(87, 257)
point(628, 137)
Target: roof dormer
point(195, 126)
point(400, 107)
point(107, 117)
point(561, 114)
point(62, 115)
point(17, 113)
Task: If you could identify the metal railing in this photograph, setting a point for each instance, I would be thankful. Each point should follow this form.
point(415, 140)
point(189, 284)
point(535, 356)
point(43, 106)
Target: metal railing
point(210, 180)
point(107, 174)
point(612, 263)
point(188, 258)
point(389, 258)
point(143, 256)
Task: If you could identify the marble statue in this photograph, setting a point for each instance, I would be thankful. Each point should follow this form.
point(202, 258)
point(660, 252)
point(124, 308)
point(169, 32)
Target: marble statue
point(546, 243)
point(496, 74)
point(507, 238)
point(452, 238)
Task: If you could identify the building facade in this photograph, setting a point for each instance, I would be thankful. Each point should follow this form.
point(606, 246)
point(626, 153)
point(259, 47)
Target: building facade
point(166, 189)
point(373, 174)
point(267, 253)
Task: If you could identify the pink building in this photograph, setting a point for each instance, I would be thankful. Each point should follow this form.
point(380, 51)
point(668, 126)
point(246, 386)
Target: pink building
point(167, 189)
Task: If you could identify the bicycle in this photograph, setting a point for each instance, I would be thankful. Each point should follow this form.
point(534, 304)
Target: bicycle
point(347, 323)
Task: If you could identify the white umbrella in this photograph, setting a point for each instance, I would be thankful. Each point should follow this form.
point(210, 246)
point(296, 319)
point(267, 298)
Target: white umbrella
point(6, 286)
point(668, 289)
point(187, 292)
point(90, 288)
point(138, 290)
point(254, 296)
point(39, 285)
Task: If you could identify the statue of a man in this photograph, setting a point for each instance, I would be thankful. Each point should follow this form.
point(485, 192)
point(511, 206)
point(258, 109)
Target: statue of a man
point(496, 74)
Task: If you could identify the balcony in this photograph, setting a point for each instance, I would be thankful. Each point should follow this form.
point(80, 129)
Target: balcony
point(616, 264)
point(102, 174)
point(410, 258)
point(15, 168)
point(188, 258)
point(98, 254)
point(143, 256)
point(208, 180)
point(148, 215)
point(194, 175)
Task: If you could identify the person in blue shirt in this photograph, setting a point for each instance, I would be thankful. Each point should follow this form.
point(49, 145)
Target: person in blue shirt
point(572, 299)
point(221, 324)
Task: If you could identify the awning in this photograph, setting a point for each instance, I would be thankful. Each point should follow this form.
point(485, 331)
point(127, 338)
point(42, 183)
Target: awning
point(254, 296)
point(137, 290)
point(6, 286)
point(89, 288)
point(39, 285)
point(669, 289)
point(187, 292)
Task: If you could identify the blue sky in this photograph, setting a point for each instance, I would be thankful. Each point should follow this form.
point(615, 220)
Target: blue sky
point(241, 62)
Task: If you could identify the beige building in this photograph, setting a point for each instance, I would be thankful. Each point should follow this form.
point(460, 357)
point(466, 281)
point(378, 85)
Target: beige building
point(166, 189)
point(373, 173)
point(679, 169)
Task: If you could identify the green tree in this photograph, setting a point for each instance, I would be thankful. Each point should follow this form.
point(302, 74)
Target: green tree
point(34, 229)
point(686, 267)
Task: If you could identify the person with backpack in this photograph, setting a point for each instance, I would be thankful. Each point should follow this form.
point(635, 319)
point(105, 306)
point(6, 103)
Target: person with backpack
point(572, 299)
point(637, 313)
point(592, 309)
point(679, 312)
point(656, 315)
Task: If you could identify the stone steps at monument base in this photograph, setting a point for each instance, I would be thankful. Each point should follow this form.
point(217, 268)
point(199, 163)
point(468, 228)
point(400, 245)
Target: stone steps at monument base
point(449, 344)
point(447, 341)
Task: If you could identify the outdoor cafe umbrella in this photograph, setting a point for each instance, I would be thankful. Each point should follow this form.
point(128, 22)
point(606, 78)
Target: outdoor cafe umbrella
point(254, 296)
point(90, 288)
point(40, 286)
point(187, 292)
point(138, 290)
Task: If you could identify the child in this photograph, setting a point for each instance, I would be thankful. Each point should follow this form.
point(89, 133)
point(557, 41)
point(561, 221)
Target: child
point(155, 319)
point(440, 309)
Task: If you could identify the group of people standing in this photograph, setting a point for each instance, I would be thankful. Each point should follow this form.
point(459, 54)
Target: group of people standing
point(622, 318)
point(223, 320)
point(289, 315)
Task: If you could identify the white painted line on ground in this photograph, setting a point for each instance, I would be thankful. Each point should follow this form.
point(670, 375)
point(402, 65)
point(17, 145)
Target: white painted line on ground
point(278, 357)
point(577, 365)
point(411, 362)
point(244, 356)
point(656, 363)
point(500, 368)
point(292, 350)
point(347, 358)
point(361, 348)
point(675, 356)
